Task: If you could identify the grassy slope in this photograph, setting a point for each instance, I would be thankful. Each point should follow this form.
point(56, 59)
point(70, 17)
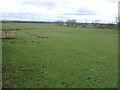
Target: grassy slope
point(69, 57)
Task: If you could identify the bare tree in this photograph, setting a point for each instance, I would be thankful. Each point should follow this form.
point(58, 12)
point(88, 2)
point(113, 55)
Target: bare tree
point(60, 22)
point(96, 22)
point(71, 23)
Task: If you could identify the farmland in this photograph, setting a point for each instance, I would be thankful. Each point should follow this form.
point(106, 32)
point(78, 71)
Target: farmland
point(51, 56)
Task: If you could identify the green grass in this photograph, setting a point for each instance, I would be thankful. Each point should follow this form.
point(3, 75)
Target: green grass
point(68, 58)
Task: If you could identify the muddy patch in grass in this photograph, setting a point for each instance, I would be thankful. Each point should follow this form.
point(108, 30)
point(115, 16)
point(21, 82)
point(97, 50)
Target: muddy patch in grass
point(42, 36)
point(10, 29)
point(24, 41)
point(12, 42)
point(37, 42)
point(116, 35)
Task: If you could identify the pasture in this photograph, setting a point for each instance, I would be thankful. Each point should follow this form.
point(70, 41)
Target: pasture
point(51, 56)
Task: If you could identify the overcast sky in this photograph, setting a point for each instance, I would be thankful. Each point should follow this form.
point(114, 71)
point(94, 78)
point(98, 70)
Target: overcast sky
point(51, 10)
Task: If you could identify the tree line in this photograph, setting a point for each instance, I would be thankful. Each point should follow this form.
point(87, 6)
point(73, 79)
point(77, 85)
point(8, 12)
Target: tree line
point(95, 24)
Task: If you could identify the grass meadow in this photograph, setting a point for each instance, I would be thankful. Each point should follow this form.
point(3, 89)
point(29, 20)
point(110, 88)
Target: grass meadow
point(51, 56)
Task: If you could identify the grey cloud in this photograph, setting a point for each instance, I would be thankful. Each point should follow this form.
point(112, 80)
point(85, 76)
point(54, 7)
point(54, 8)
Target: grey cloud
point(82, 11)
point(20, 15)
point(31, 16)
point(48, 5)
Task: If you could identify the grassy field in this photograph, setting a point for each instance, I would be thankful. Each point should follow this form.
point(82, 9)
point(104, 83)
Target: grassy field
point(51, 56)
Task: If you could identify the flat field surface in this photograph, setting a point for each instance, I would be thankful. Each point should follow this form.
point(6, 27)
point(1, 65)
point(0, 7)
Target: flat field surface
point(51, 56)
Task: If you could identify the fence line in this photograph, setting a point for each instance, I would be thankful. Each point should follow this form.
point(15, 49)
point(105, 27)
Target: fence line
point(8, 34)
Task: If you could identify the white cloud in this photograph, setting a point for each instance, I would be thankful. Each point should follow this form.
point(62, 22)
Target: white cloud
point(106, 10)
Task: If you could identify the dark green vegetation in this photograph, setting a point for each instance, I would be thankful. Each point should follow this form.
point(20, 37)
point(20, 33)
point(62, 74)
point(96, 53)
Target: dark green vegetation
point(50, 56)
